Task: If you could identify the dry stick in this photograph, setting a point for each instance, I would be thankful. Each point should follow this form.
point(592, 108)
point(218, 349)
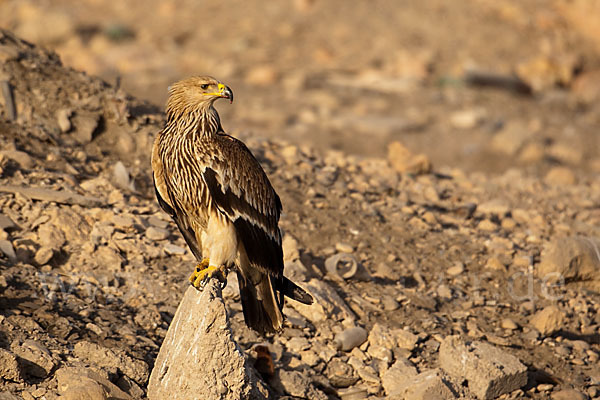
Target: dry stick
point(63, 196)
point(7, 93)
point(507, 82)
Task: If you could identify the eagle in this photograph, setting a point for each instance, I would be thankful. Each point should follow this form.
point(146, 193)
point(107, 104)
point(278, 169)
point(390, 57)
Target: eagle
point(222, 201)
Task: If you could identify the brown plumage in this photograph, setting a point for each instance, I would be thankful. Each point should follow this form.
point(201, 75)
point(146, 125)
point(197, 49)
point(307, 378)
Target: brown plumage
point(222, 200)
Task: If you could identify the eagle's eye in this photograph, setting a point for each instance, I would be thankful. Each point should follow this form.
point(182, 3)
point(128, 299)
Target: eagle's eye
point(204, 86)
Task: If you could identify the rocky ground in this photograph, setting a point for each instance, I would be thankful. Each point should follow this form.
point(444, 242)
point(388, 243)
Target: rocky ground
point(413, 267)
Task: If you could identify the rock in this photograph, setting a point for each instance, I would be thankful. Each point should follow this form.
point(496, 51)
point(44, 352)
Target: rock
point(112, 359)
point(344, 247)
point(548, 320)
point(199, 358)
point(381, 342)
point(8, 250)
point(560, 176)
point(172, 249)
point(404, 161)
point(428, 385)
point(7, 224)
point(568, 394)
point(511, 138)
point(86, 124)
point(509, 324)
point(327, 304)
point(20, 157)
point(9, 367)
point(290, 248)
point(298, 385)
point(467, 119)
point(406, 339)
point(35, 359)
point(396, 376)
point(571, 259)
point(50, 236)
point(350, 338)
point(489, 371)
point(154, 233)
point(340, 374)
point(63, 119)
point(456, 269)
point(43, 255)
point(121, 176)
point(85, 384)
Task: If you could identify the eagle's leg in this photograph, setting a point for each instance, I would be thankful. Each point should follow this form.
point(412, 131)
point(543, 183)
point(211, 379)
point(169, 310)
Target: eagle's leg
point(204, 272)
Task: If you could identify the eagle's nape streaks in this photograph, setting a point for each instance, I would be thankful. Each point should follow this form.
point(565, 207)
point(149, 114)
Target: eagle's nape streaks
point(222, 202)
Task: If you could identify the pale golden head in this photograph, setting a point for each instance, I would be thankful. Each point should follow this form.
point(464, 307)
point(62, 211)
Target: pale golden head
point(196, 92)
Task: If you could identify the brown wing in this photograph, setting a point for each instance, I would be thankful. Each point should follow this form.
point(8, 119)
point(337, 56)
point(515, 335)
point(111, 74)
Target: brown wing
point(241, 190)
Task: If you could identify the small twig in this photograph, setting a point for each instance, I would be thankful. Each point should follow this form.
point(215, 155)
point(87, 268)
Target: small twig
point(507, 82)
point(63, 196)
point(7, 93)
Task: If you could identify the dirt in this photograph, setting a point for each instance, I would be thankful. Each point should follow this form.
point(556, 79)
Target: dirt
point(321, 91)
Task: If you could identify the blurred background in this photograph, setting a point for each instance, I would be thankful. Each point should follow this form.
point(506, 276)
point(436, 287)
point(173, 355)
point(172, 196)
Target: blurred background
point(483, 85)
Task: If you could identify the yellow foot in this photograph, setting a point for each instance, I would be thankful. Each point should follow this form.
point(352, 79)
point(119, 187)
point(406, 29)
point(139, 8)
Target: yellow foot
point(204, 272)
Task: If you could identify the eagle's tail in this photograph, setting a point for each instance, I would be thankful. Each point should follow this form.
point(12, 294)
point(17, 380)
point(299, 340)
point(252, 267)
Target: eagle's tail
point(261, 310)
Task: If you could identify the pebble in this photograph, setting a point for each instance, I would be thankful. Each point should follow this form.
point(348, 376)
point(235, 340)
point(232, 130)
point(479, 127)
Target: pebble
point(350, 338)
point(154, 233)
point(548, 320)
point(43, 255)
point(568, 394)
point(8, 250)
point(9, 367)
point(456, 269)
point(173, 249)
point(509, 324)
point(344, 247)
point(560, 176)
point(63, 119)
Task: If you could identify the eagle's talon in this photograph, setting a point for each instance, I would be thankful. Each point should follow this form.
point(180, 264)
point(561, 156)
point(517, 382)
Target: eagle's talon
point(201, 276)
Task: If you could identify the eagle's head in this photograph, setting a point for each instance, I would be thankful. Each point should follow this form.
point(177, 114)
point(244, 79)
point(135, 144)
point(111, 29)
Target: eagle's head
point(197, 92)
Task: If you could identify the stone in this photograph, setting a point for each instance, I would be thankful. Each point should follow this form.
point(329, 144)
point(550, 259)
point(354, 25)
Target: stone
point(340, 374)
point(51, 236)
point(547, 321)
point(290, 248)
point(568, 394)
point(397, 375)
point(509, 324)
point(327, 304)
point(121, 176)
point(35, 359)
point(43, 255)
point(86, 124)
point(9, 367)
point(298, 385)
point(20, 157)
point(172, 249)
point(154, 233)
point(489, 371)
point(406, 339)
point(199, 358)
point(404, 161)
point(570, 259)
point(112, 359)
point(350, 338)
point(63, 119)
point(511, 138)
point(77, 383)
point(8, 250)
point(456, 269)
point(560, 176)
point(428, 385)
point(467, 119)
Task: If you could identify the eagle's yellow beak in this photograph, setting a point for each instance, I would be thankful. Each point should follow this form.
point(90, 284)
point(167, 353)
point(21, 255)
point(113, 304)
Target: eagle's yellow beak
point(225, 92)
